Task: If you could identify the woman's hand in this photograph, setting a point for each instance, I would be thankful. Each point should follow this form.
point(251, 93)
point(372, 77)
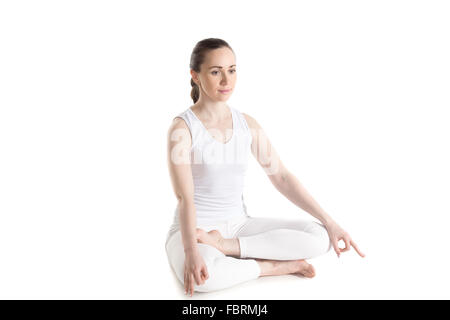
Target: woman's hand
point(194, 270)
point(336, 233)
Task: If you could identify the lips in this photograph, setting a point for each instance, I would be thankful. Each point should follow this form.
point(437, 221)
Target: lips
point(224, 91)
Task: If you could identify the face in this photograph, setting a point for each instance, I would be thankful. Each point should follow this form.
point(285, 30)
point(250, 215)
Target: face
point(217, 75)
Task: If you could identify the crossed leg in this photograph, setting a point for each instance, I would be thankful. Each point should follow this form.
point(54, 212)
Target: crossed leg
point(224, 271)
point(279, 246)
point(282, 239)
point(257, 247)
point(231, 248)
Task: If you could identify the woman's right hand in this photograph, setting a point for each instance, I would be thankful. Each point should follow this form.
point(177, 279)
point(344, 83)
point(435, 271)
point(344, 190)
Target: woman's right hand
point(194, 270)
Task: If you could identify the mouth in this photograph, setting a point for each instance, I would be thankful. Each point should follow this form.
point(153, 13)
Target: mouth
point(224, 91)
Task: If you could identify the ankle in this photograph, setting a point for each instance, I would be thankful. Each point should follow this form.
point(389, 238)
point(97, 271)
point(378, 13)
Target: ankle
point(295, 266)
point(229, 247)
point(221, 245)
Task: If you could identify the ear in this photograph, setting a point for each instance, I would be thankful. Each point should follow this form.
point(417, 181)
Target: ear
point(194, 76)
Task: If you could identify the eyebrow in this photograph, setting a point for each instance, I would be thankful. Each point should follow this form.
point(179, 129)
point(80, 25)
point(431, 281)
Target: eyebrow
point(221, 67)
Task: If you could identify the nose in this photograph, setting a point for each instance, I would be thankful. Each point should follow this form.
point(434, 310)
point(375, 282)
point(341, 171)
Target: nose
point(224, 79)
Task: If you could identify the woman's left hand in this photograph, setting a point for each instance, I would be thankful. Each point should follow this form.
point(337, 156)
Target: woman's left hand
point(336, 233)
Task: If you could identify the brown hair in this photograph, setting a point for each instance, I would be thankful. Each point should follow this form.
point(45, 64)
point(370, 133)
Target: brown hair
point(198, 57)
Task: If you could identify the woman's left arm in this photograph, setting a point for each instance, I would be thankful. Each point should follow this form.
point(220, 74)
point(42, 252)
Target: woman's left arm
point(288, 185)
point(291, 188)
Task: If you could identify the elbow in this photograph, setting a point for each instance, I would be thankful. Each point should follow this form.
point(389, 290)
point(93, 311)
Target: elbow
point(280, 178)
point(284, 179)
point(284, 175)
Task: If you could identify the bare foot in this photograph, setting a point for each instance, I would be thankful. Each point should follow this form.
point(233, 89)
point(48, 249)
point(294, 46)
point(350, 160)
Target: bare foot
point(280, 267)
point(229, 247)
point(213, 238)
point(304, 268)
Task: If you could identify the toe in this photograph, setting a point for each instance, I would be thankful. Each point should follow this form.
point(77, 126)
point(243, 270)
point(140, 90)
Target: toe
point(312, 272)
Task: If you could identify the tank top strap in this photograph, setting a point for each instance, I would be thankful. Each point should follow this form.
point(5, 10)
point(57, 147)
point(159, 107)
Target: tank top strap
point(193, 125)
point(218, 170)
point(197, 130)
point(241, 122)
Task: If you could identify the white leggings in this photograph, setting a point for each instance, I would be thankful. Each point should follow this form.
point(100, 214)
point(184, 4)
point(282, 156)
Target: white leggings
point(263, 238)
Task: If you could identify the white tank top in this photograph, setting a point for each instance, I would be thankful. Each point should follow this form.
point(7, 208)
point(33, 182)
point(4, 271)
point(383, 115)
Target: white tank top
point(218, 170)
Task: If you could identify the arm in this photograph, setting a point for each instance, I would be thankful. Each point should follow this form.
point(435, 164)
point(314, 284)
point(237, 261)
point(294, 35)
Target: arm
point(283, 180)
point(288, 185)
point(178, 156)
point(293, 190)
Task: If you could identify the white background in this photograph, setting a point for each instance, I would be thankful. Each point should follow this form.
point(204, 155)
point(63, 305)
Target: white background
point(354, 95)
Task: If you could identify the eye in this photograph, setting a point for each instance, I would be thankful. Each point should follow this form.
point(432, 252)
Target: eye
point(233, 70)
point(214, 72)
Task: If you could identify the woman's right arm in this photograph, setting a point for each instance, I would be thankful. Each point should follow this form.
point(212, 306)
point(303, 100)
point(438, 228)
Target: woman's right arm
point(179, 143)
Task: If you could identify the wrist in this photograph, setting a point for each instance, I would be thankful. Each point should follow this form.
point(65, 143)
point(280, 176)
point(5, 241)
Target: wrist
point(328, 221)
point(322, 216)
point(190, 249)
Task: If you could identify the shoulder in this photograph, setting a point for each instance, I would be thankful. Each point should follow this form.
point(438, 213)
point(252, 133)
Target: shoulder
point(178, 125)
point(179, 121)
point(251, 121)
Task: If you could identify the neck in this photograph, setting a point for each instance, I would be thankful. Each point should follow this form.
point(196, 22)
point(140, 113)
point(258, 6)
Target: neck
point(212, 110)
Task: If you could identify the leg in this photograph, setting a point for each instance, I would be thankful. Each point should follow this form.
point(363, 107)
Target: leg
point(277, 267)
point(280, 239)
point(269, 238)
point(230, 247)
point(223, 271)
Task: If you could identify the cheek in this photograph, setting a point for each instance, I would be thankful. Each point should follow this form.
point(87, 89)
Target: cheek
point(212, 82)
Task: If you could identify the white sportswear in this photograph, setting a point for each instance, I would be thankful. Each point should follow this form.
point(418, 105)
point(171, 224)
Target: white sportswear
point(218, 172)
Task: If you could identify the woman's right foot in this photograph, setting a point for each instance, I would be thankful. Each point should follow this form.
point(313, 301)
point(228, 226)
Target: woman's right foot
point(229, 247)
point(213, 238)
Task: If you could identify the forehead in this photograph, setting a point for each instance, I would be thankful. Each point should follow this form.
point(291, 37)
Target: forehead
point(220, 57)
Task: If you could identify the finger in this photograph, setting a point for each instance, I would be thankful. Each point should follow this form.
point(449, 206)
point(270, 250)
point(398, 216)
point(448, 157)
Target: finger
point(186, 283)
point(198, 278)
point(336, 247)
point(192, 284)
point(347, 245)
point(205, 272)
point(203, 275)
point(357, 249)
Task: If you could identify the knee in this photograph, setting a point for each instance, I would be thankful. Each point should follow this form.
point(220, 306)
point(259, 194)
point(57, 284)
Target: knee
point(211, 257)
point(224, 272)
point(321, 234)
point(209, 284)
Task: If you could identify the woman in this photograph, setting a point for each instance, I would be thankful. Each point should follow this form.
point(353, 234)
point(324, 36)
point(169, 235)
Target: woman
point(213, 243)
